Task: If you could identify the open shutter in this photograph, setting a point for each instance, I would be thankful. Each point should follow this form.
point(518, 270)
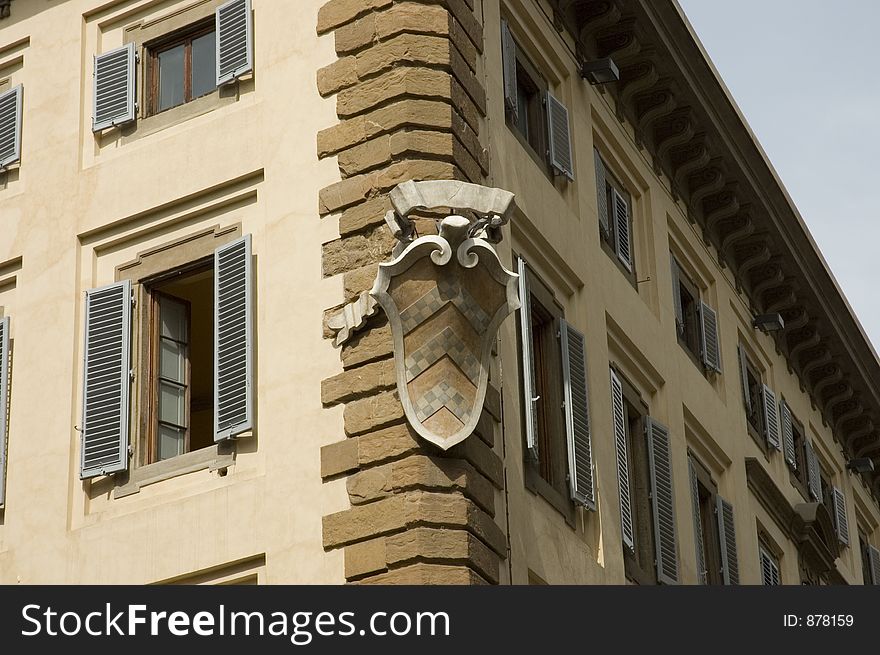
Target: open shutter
point(114, 92)
point(727, 539)
point(771, 418)
point(663, 502)
point(601, 195)
point(814, 477)
point(841, 522)
point(787, 434)
point(233, 339)
point(698, 523)
point(619, 419)
point(744, 378)
point(4, 402)
point(769, 569)
point(676, 297)
point(874, 564)
point(235, 40)
point(10, 126)
point(106, 380)
point(577, 417)
point(620, 211)
point(528, 360)
point(508, 59)
point(711, 349)
point(559, 137)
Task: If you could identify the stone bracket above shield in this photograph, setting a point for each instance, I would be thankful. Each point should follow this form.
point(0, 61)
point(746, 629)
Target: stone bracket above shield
point(445, 297)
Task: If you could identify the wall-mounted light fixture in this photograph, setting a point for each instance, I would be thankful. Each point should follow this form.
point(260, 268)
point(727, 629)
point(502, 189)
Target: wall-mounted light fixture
point(861, 465)
point(768, 322)
point(600, 71)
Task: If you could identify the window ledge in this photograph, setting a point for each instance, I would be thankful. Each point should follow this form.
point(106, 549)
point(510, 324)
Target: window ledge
point(213, 458)
point(539, 486)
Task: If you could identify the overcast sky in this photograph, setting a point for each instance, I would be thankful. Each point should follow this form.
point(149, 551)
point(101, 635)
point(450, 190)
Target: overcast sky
point(805, 74)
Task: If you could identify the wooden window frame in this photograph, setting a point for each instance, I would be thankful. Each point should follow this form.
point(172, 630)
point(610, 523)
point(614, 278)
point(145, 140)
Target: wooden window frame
point(153, 49)
point(694, 350)
point(708, 521)
point(609, 241)
point(527, 75)
point(799, 476)
point(757, 404)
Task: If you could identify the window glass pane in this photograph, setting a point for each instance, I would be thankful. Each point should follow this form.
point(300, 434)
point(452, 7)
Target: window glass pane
point(173, 319)
point(171, 77)
point(204, 75)
point(171, 442)
point(171, 404)
point(172, 360)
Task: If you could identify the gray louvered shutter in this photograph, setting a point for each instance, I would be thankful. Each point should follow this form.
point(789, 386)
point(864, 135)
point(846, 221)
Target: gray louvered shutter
point(744, 378)
point(235, 40)
point(528, 360)
point(577, 416)
point(874, 564)
point(814, 477)
point(559, 137)
point(508, 60)
point(787, 434)
point(727, 539)
point(663, 502)
point(620, 211)
point(769, 569)
point(233, 339)
point(771, 418)
point(106, 380)
point(841, 521)
point(601, 196)
point(114, 92)
point(10, 126)
point(619, 419)
point(711, 348)
point(676, 297)
point(698, 523)
point(4, 402)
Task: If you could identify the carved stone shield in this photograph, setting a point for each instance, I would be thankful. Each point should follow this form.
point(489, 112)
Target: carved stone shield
point(445, 297)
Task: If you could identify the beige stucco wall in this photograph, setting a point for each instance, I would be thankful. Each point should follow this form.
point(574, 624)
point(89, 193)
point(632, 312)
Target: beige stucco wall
point(80, 205)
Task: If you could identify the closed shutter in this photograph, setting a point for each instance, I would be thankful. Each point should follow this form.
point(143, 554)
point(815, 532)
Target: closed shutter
point(619, 419)
point(559, 137)
point(620, 211)
point(771, 418)
point(530, 416)
point(10, 126)
point(676, 297)
point(814, 477)
point(4, 402)
point(577, 416)
point(769, 569)
point(508, 59)
point(602, 196)
point(727, 539)
point(698, 523)
point(233, 340)
point(106, 380)
point(841, 522)
point(874, 564)
point(235, 40)
point(663, 502)
point(744, 378)
point(711, 349)
point(787, 434)
point(114, 101)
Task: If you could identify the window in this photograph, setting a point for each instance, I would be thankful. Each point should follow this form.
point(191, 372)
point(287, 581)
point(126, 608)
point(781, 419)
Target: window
point(181, 68)
point(181, 363)
point(704, 494)
point(870, 560)
point(645, 488)
point(10, 126)
point(536, 116)
point(797, 458)
point(555, 403)
point(696, 323)
point(760, 404)
point(615, 218)
point(770, 571)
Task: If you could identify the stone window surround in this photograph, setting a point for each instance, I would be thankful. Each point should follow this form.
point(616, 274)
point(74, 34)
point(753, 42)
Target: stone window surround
point(180, 253)
point(142, 34)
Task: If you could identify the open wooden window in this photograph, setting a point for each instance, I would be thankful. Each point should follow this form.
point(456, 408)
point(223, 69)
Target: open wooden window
point(181, 67)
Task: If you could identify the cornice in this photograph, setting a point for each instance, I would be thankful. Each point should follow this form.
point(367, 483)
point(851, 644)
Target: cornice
point(685, 117)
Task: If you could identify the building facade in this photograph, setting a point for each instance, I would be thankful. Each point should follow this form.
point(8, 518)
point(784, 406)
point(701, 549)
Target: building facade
point(193, 195)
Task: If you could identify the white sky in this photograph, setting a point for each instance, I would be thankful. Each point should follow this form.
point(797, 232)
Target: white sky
point(805, 74)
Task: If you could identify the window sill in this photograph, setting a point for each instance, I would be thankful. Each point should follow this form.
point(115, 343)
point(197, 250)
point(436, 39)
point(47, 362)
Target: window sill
point(213, 458)
point(539, 486)
point(536, 157)
point(629, 275)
